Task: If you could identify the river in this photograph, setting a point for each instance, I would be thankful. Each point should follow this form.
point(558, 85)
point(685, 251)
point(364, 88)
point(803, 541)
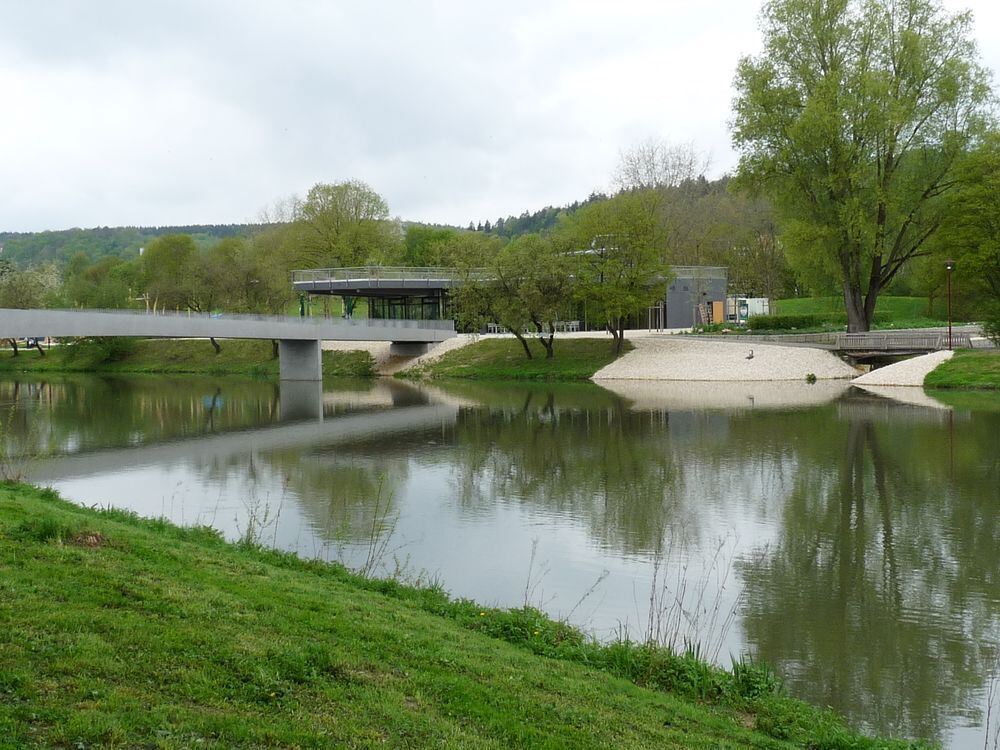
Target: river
point(847, 538)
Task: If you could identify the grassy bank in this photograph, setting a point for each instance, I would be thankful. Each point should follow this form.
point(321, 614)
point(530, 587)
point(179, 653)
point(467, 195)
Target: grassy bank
point(117, 632)
point(238, 357)
point(967, 370)
point(503, 359)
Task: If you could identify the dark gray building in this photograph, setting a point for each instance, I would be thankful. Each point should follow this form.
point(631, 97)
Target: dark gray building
point(697, 294)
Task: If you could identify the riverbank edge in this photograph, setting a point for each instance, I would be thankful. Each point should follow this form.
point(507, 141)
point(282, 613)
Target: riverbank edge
point(576, 359)
point(246, 358)
point(128, 580)
point(967, 370)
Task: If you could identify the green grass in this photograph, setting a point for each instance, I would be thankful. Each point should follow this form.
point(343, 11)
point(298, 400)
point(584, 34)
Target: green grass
point(119, 632)
point(892, 312)
point(974, 370)
point(503, 359)
point(238, 357)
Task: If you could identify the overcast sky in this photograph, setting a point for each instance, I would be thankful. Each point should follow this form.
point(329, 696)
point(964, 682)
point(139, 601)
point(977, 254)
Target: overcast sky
point(206, 111)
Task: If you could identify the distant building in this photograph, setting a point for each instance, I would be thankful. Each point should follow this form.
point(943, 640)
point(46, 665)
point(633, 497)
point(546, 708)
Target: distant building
point(695, 294)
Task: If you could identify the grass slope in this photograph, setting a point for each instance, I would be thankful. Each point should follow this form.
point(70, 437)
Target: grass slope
point(503, 359)
point(238, 357)
point(967, 369)
point(117, 632)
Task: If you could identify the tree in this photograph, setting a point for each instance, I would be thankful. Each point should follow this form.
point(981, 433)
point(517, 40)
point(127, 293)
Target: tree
point(655, 163)
point(970, 233)
point(620, 258)
point(29, 288)
point(852, 119)
point(107, 283)
point(169, 271)
point(345, 224)
point(526, 284)
point(422, 243)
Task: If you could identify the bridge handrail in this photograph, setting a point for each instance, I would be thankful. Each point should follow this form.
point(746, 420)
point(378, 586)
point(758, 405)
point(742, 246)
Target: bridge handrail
point(378, 273)
point(256, 317)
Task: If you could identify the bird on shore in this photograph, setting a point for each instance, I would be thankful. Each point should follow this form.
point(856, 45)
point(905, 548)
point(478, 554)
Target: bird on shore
point(750, 355)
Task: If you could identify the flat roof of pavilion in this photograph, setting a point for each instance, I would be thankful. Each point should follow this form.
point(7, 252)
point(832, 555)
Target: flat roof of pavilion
point(376, 281)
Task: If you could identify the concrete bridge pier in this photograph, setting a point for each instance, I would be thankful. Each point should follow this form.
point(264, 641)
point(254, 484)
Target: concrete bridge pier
point(300, 359)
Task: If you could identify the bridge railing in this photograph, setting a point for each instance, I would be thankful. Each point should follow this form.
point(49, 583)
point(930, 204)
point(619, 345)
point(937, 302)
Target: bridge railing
point(896, 341)
point(377, 274)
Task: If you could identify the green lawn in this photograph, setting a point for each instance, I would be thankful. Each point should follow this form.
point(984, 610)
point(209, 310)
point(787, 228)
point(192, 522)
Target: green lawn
point(238, 357)
point(122, 633)
point(504, 359)
point(969, 370)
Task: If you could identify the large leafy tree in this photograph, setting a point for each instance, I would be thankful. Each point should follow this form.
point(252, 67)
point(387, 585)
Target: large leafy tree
point(620, 257)
point(345, 224)
point(851, 120)
point(526, 284)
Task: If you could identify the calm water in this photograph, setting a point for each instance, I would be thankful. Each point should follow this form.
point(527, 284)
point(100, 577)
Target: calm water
point(847, 538)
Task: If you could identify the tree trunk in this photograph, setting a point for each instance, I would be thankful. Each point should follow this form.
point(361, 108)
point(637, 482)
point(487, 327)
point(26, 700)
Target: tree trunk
point(274, 348)
point(38, 346)
point(527, 351)
point(860, 308)
point(215, 344)
point(13, 344)
point(546, 343)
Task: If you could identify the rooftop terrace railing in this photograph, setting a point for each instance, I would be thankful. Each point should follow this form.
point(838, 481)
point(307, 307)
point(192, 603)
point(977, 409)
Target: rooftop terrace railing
point(377, 273)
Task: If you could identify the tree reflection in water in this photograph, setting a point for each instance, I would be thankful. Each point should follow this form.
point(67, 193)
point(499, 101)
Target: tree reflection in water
point(879, 597)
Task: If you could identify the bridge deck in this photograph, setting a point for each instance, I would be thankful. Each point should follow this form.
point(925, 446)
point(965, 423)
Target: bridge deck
point(31, 323)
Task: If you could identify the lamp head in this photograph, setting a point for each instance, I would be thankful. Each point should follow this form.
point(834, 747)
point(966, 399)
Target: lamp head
point(949, 265)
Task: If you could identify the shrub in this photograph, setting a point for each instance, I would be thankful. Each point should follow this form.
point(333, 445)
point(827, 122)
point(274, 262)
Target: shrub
point(792, 322)
point(95, 350)
point(991, 323)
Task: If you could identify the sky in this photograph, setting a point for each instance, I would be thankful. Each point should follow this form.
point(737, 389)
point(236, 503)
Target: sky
point(116, 112)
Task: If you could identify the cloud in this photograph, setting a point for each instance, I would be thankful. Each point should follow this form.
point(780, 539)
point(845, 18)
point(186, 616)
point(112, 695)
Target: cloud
point(186, 112)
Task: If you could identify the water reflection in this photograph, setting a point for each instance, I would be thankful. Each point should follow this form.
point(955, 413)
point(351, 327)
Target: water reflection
point(864, 528)
point(879, 594)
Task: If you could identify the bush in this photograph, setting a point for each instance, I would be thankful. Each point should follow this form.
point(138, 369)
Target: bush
point(991, 324)
point(795, 322)
point(95, 350)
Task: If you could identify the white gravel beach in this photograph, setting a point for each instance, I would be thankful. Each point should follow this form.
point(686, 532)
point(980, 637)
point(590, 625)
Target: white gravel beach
point(909, 372)
point(668, 357)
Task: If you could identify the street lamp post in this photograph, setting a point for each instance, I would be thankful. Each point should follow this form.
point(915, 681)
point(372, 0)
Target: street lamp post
point(949, 266)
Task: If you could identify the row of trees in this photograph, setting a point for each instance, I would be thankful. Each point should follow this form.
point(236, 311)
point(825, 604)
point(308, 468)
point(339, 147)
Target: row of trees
point(608, 256)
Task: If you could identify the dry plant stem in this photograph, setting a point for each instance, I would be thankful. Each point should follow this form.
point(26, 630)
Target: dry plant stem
point(687, 612)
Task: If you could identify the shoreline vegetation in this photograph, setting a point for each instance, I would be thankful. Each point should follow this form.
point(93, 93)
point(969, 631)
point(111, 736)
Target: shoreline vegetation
point(576, 359)
point(968, 370)
point(504, 359)
point(250, 358)
point(119, 631)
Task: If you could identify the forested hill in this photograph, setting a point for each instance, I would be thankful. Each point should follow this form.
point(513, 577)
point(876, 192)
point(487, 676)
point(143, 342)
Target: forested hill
point(533, 222)
point(25, 248)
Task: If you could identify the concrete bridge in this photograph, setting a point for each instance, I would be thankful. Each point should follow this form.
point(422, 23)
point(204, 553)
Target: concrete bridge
point(298, 338)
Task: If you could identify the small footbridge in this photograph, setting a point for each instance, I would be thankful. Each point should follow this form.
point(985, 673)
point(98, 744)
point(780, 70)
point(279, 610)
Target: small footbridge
point(879, 343)
point(298, 338)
